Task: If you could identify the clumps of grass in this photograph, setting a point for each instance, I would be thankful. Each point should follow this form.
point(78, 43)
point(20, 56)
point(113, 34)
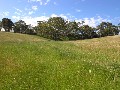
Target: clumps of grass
point(52, 65)
point(115, 71)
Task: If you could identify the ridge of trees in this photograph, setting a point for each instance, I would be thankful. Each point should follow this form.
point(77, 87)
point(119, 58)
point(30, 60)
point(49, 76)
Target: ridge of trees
point(57, 28)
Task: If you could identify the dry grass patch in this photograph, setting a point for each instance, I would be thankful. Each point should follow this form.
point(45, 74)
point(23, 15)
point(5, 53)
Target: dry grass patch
point(104, 42)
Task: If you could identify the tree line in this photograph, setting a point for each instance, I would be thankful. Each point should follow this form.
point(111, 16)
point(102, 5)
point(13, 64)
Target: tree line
point(57, 28)
point(18, 27)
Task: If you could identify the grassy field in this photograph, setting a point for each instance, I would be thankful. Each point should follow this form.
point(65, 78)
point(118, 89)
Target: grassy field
point(33, 63)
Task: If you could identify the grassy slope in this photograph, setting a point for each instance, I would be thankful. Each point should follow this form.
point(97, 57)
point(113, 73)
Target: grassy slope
point(33, 63)
point(16, 37)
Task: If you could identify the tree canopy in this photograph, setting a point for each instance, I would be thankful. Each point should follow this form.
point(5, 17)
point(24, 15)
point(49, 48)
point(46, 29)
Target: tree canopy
point(57, 28)
point(20, 26)
point(7, 24)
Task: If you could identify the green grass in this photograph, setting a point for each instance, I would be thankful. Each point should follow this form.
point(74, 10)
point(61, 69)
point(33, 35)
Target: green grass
point(33, 63)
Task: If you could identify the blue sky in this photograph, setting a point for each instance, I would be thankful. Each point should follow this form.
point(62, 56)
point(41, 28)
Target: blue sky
point(91, 11)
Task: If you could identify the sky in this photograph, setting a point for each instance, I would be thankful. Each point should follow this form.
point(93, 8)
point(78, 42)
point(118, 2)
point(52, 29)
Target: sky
point(93, 12)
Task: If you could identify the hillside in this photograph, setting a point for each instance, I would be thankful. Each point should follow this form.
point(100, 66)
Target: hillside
point(16, 37)
point(34, 63)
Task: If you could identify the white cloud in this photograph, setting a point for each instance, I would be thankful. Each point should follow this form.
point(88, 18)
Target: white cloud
point(33, 20)
point(31, 12)
point(34, 8)
point(42, 2)
point(20, 13)
point(93, 21)
point(78, 10)
point(71, 17)
point(61, 15)
point(17, 13)
point(54, 15)
point(27, 9)
point(68, 16)
point(90, 21)
point(4, 14)
point(18, 9)
point(30, 20)
point(46, 2)
point(34, 0)
point(16, 17)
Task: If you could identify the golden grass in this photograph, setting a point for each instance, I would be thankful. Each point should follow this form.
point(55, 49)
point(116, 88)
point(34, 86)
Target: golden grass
point(104, 50)
point(104, 42)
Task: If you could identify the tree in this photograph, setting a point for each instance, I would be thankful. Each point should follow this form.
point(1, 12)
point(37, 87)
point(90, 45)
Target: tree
point(119, 24)
point(7, 24)
point(101, 29)
point(119, 27)
point(54, 28)
point(107, 29)
point(20, 27)
point(82, 22)
point(30, 30)
point(73, 30)
point(0, 23)
point(59, 29)
point(57, 26)
point(87, 32)
point(57, 23)
point(115, 30)
point(43, 29)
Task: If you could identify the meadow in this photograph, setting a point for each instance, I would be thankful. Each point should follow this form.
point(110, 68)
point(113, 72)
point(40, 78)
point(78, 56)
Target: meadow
point(30, 62)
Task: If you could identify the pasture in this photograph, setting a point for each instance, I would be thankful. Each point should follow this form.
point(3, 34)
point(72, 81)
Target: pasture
point(33, 63)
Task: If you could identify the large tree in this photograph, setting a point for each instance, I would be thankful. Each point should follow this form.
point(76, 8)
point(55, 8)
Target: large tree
point(73, 30)
point(57, 23)
point(54, 28)
point(0, 23)
point(119, 27)
point(20, 26)
point(87, 32)
point(107, 28)
point(59, 28)
point(43, 29)
point(7, 24)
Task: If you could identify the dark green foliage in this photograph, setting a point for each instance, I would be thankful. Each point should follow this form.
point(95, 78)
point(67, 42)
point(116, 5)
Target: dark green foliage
point(20, 27)
point(107, 29)
point(7, 24)
point(0, 24)
point(54, 28)
point(59, 29)
point(87, 32)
